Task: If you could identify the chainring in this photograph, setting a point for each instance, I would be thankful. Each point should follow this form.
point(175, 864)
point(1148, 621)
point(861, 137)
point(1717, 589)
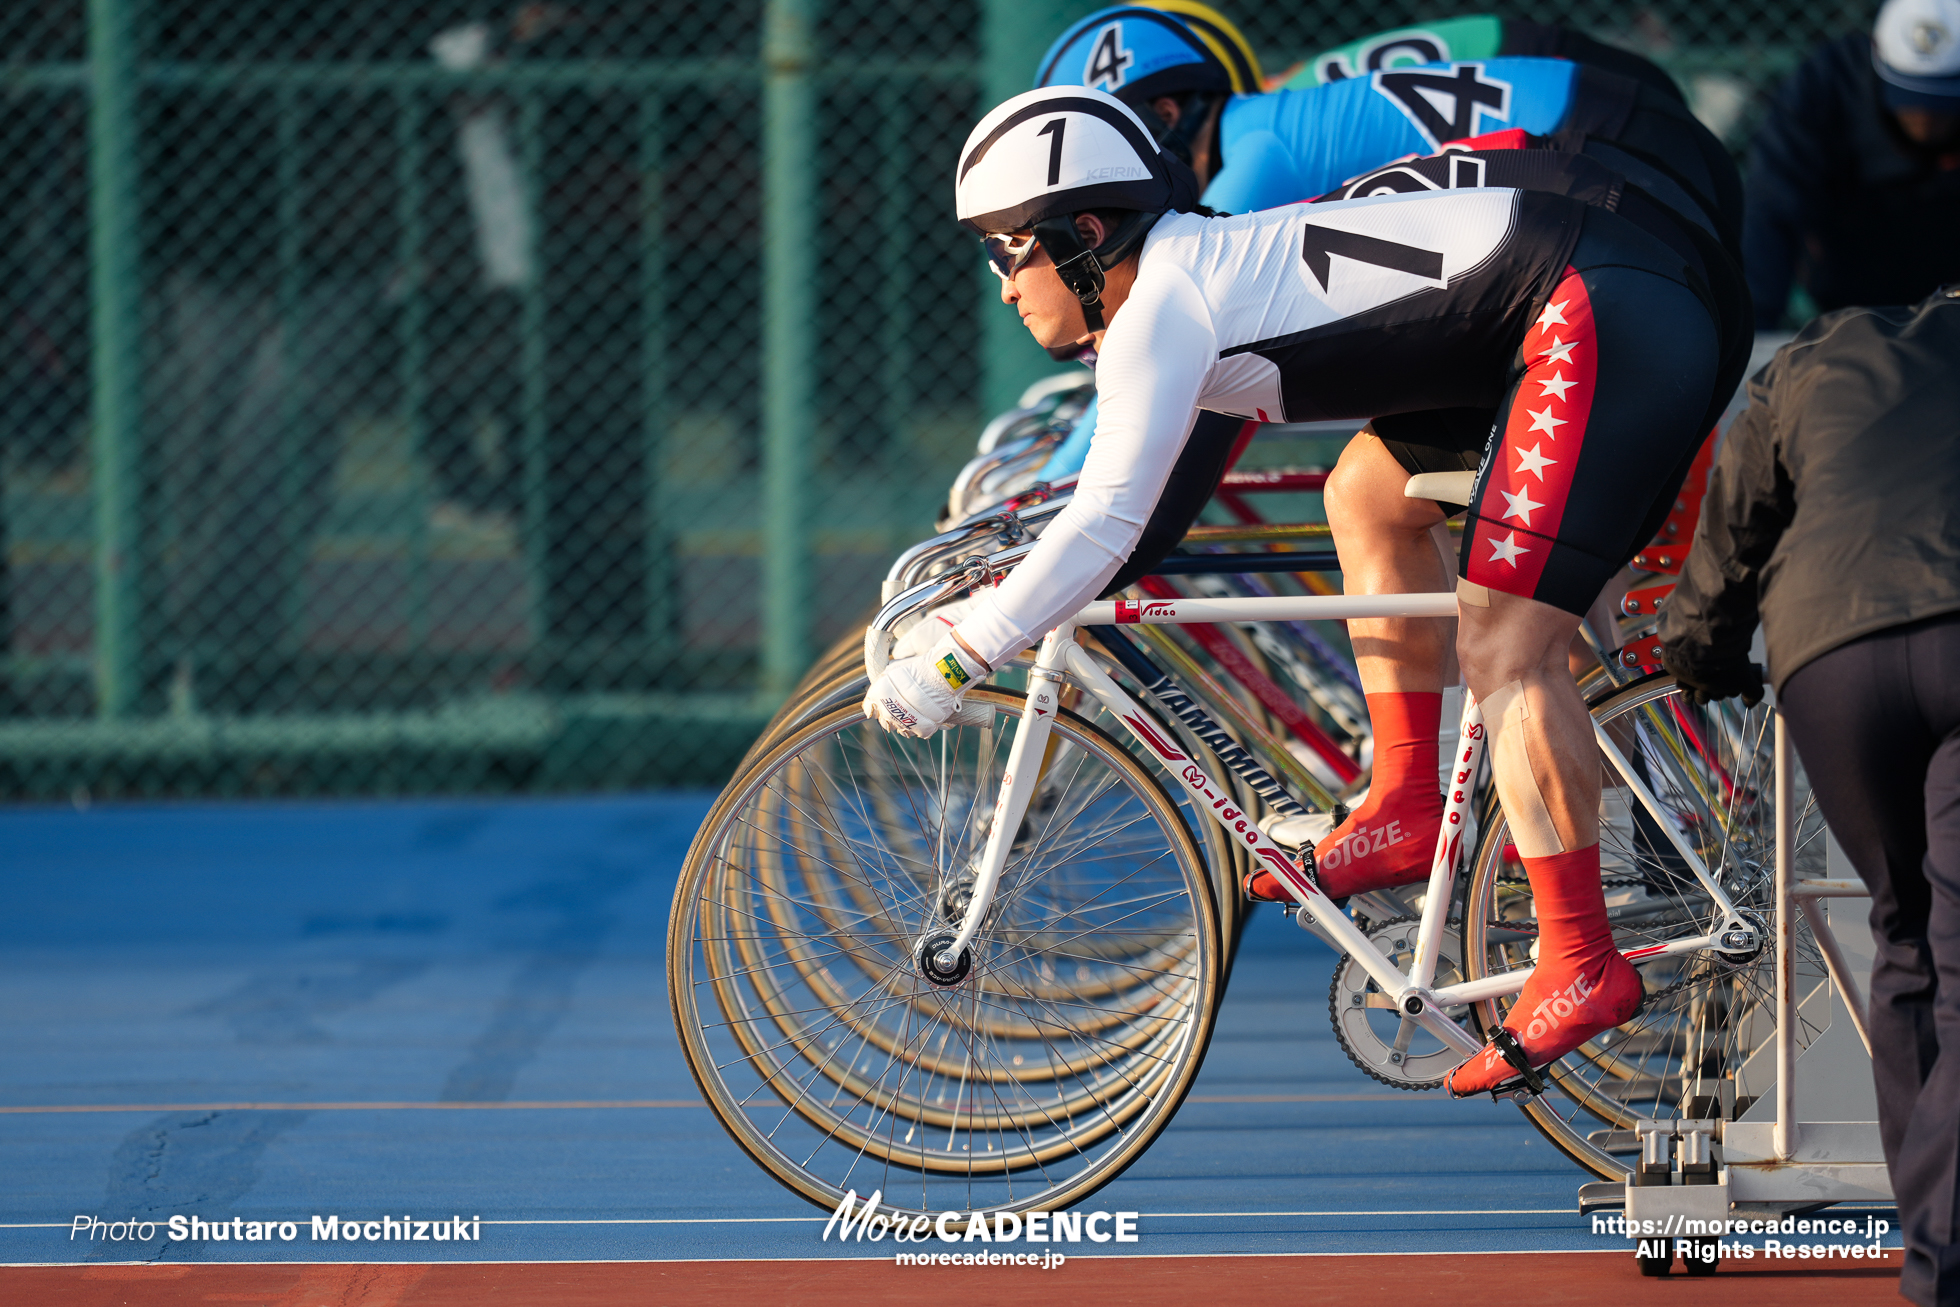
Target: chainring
point(1368, 1024)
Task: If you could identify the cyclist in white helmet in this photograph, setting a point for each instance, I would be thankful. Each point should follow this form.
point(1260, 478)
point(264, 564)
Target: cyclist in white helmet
point(1605, 356)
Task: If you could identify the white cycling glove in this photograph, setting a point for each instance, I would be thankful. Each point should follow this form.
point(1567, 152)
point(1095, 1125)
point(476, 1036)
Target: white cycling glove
point(921, 692)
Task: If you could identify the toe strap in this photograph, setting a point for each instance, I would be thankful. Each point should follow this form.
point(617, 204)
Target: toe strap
point(1512, 1051)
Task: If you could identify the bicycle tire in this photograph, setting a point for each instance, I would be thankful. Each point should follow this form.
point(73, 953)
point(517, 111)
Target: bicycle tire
point(836, 1124)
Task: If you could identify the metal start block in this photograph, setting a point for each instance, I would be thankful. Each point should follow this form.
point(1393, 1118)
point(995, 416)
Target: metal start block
point(1677, 1178)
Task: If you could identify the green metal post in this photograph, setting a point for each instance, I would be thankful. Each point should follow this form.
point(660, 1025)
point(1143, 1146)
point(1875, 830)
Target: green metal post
point(663, 615)
point(115, 351)
point(1013, 35)
point(291, 204)
point(534, 360)
point(897, 218)
point(411, 110)
point(788, 339)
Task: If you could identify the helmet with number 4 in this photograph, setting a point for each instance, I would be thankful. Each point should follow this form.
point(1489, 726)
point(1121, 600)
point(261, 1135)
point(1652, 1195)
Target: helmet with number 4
point(1049, 154)
point(1141, 53)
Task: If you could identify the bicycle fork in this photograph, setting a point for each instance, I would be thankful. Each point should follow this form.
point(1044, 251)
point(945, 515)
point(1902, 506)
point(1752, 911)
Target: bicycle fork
point(944, 957)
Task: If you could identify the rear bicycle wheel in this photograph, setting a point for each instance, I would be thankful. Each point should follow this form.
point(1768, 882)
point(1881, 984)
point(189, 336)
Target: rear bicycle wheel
point(1030, 1083)
point(1707, 1014)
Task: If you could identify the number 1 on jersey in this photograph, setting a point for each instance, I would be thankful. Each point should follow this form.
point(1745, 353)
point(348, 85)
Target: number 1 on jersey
point(1321, 243)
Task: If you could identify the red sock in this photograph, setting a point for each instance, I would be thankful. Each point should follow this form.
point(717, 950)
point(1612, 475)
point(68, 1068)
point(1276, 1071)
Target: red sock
point(1581, 985)
point(1391, 838)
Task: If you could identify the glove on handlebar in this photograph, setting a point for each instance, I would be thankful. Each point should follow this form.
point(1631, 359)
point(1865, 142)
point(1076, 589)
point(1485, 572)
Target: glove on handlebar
point(920, 693)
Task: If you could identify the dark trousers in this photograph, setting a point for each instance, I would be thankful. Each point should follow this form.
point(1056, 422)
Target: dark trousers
point(1877, 722)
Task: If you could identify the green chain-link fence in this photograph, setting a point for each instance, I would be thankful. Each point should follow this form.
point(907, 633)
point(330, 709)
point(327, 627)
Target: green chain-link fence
point(406, 396)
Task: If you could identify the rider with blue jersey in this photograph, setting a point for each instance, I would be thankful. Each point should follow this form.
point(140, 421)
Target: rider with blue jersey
point(1278, 148)
point(1257, 151)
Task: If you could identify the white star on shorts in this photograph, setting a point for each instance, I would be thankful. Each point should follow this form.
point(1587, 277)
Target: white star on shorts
point(1554, 315)
point(1519, 505)
point(1545, 422)
point(1530, 460)
point(1507, 549)
point(1560, 351)
point(1558, 385)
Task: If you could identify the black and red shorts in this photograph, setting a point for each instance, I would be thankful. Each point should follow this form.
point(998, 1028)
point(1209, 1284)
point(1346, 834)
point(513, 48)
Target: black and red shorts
point(1615, 386)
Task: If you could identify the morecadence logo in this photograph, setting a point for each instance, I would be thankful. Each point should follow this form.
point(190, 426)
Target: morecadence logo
point(863, 1222)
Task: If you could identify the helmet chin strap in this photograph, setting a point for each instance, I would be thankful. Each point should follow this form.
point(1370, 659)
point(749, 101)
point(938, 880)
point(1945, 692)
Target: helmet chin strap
point(1077, 265)
point(1081, 268)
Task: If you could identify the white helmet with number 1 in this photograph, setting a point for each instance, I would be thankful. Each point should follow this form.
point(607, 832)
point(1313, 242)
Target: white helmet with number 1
point(1057, 151)
point(1045, 156)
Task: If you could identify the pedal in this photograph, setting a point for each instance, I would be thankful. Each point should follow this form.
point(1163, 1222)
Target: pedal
point(1513, 1052)
point(1300, 831)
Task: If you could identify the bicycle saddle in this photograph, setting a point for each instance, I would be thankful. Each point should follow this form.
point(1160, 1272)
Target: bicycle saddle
point(1443, 487)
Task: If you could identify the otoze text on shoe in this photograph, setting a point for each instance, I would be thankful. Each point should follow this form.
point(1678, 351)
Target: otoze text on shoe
point(1551, 1014)
point(1361, 842)
point(862, 1222)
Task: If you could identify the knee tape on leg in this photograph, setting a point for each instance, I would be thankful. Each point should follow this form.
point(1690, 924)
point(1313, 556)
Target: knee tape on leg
point(1532, 829)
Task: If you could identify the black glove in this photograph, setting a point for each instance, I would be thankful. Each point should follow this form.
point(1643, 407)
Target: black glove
point(1709, 674)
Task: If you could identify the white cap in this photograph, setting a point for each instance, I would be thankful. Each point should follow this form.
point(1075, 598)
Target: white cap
point(1916, 51)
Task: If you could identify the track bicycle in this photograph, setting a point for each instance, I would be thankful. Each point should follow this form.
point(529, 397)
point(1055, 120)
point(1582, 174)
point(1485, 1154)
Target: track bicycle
point(980, 971)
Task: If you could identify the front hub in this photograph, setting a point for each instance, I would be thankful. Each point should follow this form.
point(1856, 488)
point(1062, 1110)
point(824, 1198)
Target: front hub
point(935, 967)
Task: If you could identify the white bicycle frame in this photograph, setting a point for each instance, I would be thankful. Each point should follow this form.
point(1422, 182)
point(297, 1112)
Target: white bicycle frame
point(1062, 659)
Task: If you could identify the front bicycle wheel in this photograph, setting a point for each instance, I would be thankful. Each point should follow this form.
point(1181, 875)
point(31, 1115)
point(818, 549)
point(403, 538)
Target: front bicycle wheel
point(1707, 1014)
point(1034, 1080)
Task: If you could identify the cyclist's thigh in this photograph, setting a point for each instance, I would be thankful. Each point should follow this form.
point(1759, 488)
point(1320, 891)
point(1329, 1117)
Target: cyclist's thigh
point(1602, 424)
point(1366, 487)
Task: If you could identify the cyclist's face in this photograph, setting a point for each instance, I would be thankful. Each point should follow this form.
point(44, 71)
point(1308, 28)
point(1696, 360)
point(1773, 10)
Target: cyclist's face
point(1929, 128)
point(1049, 310)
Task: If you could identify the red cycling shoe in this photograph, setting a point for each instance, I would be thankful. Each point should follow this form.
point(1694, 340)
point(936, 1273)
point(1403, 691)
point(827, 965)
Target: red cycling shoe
point(1580, 987)
point(1390, 839)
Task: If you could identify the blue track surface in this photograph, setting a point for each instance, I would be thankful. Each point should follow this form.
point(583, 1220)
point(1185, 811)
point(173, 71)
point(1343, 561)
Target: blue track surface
point(180, 959)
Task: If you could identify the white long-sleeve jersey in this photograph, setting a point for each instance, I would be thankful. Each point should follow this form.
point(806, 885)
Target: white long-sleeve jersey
point(1348, 309)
